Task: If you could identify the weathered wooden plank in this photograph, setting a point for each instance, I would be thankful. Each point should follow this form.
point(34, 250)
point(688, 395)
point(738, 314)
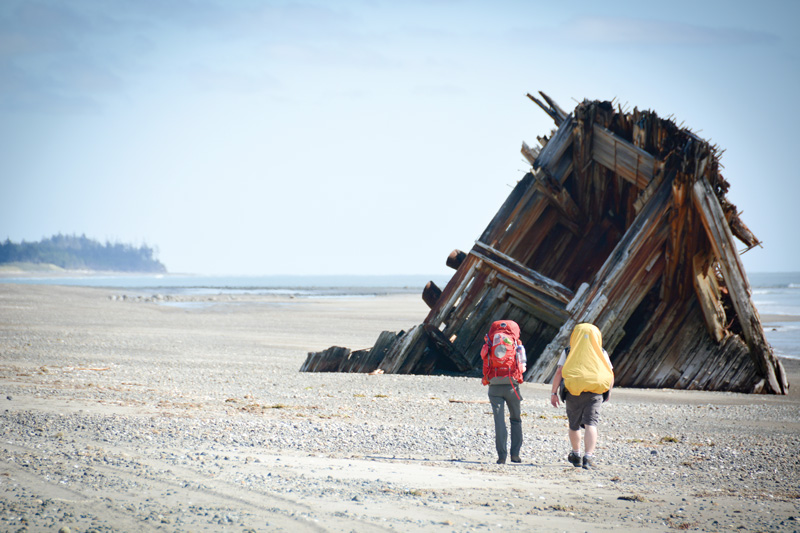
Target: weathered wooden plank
point(675, 245)
point(407, 348)
point(327, 360)
point(699, 366)
point(625, 159)
point(530, 153)
point(482, 280)
point(707, 291)
point(666, 337)
point(721, 241)
point(499, 223)
point(559, 197)
point(455, 259)
point(473, 325)
point(452, 353)
point(537, 304)
point(746, 378)
point(743, 233)
point(513, 269)
point(687, 337)
point(556, 113)
point(366, 361)
point(729, 369)
point(453, 290)
point(555, 148)
point(561, 170)
point(431, 294)
point(582, 161)
point(551, 316)
point(527, 216)
point(555, 107)
point(525, 242)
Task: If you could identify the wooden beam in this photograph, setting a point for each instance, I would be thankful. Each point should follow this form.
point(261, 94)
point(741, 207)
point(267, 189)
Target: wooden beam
point(518, 197)
point(555, 148)
point(455, 259)
point(325, 361)
point(448, 350)
point(708, 295)
point(558, 196)
point(743, 233)
point(615, 153)
point(463, 309)
point(405, 351)
point(515, 270)
point(553, 111)
point(721, 239)
point(582, 160)
point(453, 291)
point(431, 294)
point(554, 106)
point(529, 153)
point(535, 303)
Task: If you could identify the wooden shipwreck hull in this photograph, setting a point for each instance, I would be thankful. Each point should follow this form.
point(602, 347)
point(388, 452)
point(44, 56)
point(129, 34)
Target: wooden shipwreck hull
point(621, 222)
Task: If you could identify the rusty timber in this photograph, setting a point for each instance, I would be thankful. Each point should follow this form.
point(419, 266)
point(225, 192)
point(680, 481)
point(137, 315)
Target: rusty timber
point(621, 222)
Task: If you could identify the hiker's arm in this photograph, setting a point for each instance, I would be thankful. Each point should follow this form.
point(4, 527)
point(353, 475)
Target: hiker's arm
point(608, 360)
point(554, 399)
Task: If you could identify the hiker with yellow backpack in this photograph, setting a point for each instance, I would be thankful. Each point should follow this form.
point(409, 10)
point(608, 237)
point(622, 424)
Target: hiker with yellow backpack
point(588, 378)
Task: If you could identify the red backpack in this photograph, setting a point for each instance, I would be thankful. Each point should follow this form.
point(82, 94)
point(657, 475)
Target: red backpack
point(499, 352)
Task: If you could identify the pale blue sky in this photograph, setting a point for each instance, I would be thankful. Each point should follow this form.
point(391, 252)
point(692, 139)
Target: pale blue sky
point(361, 137)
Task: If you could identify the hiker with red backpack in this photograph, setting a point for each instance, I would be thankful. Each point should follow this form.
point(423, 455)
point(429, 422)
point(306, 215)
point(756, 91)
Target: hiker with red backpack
point(504, 363)
point(588, 377)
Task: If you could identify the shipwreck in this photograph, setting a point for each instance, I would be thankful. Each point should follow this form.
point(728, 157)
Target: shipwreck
point(623, 222)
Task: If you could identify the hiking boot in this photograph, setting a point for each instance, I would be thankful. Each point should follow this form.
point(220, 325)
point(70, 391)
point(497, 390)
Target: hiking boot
point(515, 459)
point(501, 460)
point(588, 462)
point(575, 459)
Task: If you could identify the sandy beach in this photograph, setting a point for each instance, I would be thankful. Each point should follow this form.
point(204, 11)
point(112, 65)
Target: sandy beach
point(130, 412)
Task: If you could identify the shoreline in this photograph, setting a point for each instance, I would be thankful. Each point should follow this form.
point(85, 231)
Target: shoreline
point(768, 318)
point(124, 415)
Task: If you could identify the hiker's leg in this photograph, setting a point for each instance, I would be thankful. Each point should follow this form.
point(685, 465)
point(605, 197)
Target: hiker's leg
point(591, 417)
point(500, 431)
point(575, 439)
point(515, 415)
point(590, 439)
point(574, 418)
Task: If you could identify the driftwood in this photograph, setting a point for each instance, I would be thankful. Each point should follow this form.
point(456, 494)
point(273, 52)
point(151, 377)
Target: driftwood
point(622, 221)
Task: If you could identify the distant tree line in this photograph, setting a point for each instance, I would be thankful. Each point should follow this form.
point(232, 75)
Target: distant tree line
point(81, 253)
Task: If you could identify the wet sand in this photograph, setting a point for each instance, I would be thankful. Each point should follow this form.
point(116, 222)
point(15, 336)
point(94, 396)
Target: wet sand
point(125, 413)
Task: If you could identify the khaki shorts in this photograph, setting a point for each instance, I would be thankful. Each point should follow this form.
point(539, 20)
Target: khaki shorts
point(583, 410)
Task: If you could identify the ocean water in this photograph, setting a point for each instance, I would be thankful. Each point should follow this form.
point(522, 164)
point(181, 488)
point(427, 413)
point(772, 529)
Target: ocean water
point(778, 294)
point(775, 295)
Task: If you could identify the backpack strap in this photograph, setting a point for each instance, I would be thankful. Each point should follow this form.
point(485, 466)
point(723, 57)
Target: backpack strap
point(513, 387)
point(562, 388)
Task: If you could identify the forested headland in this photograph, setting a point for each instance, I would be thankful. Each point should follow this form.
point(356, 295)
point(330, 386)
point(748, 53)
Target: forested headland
point(81, 253)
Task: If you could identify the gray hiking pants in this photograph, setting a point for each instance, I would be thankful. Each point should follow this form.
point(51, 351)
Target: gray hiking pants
point(499, 395)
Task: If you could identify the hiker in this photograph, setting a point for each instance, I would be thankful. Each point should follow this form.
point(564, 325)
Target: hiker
point(504, 363)
point(588, 378)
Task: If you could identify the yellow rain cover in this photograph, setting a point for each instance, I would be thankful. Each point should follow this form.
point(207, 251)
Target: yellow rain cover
point(586, 369)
